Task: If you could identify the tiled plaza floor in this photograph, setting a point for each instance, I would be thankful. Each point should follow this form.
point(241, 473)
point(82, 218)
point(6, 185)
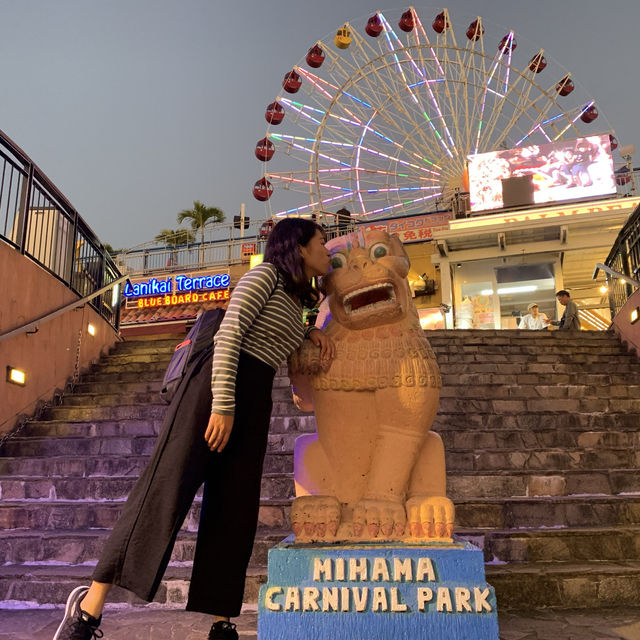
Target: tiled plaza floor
point(163, 624)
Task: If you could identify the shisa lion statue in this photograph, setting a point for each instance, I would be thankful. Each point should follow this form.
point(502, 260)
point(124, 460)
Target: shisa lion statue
point(374, 471)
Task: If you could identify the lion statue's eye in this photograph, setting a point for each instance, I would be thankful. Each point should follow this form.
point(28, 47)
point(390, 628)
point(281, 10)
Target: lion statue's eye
point(378, 250)
point(338, 260)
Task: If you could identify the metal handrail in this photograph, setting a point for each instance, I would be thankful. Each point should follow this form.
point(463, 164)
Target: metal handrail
point(37, 220)
point(615, 274)
point(33, 325)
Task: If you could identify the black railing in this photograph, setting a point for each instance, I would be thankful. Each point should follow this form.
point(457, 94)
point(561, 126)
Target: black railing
point(41, 223)
point(624, 258)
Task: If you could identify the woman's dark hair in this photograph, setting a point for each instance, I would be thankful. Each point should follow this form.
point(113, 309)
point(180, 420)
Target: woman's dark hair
point(283, 251)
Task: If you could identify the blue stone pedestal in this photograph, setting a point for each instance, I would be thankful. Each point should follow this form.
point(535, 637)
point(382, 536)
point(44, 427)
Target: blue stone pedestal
point(375, 591)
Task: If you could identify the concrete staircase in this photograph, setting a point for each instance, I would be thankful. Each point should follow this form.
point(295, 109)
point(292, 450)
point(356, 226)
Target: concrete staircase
point(541, 431)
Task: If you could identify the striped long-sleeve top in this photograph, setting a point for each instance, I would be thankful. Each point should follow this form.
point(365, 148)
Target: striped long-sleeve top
point(264, 325)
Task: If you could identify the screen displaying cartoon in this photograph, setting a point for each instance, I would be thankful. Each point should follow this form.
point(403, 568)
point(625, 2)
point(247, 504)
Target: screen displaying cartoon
point(565, 170)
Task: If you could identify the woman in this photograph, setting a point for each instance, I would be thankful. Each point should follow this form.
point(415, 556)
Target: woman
point(261, 328)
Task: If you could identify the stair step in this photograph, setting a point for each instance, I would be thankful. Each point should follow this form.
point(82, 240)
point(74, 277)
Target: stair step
point(126, 376)
point(129, 359)
point(143, 440)
point(136, 386)
point(548, 511)
point(580, 377)
point(85, 546)
point(37, 478)
point(540, 368)
point(70, 516)
point(565, 586)
point(101, 399)
point(50, 585)
point(150, 368)
point(584, 544)
point(477, 513)
point(120, 411)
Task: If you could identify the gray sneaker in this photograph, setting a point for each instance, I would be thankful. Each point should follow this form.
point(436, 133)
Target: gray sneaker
point(77, 624)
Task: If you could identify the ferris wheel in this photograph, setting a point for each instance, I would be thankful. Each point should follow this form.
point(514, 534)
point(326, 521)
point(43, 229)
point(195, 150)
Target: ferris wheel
point(380, 118)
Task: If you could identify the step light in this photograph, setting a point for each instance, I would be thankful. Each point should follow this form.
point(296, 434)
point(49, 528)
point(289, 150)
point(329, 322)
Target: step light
point(91, 329)
point(15, 376)
point(635, 314)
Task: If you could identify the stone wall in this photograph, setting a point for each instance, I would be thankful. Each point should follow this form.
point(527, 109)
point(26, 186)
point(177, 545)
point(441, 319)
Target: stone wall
point(629, 333)
point(48, 357)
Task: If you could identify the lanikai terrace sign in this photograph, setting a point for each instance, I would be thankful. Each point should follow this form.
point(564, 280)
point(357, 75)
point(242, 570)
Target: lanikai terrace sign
point(178, 289)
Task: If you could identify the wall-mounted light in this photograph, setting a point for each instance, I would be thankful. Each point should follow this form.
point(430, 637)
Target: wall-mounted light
point(603, 289)
point(16, 376)
point(623, 281)
point(91, 329)
point(635, 314)
point(115, 296)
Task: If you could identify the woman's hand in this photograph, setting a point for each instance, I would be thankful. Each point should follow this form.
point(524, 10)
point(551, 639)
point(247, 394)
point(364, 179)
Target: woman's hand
point(218, 431)
point(326, 344)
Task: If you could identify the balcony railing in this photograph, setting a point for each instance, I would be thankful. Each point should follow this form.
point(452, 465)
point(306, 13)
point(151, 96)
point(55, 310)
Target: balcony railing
point(37, 220)
point(221, 252)
point(624, 259)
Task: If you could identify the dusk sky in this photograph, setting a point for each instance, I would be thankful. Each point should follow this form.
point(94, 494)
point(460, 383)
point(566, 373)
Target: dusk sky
point(134, 108)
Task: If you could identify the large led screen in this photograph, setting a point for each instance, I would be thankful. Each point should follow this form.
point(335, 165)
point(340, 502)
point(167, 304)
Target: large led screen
point(565, 170)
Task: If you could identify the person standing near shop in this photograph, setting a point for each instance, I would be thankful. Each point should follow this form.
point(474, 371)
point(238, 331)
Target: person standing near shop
point(534, 319)
point(261, 328)
point(570, 320)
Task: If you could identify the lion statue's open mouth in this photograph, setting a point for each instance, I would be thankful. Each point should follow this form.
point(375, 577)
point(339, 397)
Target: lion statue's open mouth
point(372, 298)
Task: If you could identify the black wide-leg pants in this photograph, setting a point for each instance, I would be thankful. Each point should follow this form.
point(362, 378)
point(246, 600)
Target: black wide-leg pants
point(138, 550)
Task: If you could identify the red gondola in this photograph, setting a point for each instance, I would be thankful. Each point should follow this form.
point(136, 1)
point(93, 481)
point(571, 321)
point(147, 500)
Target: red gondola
point(565, 86)
point(589, 114)
point(374, 26)
point(440, 23)
point(274, 113)
point(292, 81)
point(613, 142)
point(406, 22)
point(265, 229)
point(623, 176)
point(262, 190)
point(475, 30)
point(315, 57)
point(537, 63)
point(265, 150)
point(508, 43)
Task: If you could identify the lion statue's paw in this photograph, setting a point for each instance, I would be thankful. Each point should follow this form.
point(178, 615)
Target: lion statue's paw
point(375, 518)
point(315, 518)
point(430, 517)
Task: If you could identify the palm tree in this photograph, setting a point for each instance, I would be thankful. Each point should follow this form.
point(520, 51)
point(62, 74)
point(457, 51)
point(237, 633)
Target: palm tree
point(173, 238)
point(199, 216)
